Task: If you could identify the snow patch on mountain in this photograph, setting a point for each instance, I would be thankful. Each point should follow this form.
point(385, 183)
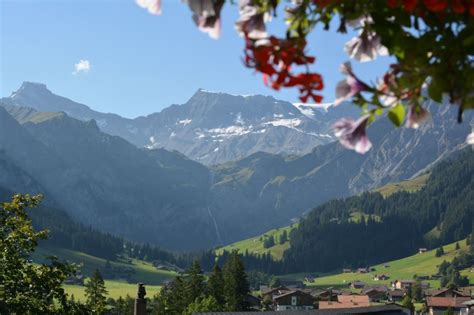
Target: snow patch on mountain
point(290, 123)
point(185, 122)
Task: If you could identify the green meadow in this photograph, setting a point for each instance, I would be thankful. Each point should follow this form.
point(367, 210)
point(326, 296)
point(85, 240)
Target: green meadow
point(254, 245)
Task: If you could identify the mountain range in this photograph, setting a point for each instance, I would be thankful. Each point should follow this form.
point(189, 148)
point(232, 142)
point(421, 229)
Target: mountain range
point(150, 194)
point(210, 128)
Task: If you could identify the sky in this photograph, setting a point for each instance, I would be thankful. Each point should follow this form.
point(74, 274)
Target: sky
point(116, 57)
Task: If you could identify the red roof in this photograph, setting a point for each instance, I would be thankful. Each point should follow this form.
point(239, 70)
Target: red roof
point(457, 302)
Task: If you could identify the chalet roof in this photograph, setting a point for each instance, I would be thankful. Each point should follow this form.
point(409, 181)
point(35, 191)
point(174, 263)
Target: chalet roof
point(268, 290)
point(406, 281)
point(457, 302)
point(434, 292)
point(376, 288)
point(358, 299)
point(298, 292)
point(396, 293)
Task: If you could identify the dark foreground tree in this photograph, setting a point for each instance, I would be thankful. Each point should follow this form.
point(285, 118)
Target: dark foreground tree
point(215, 285)
point(236, 287)
point(29, 288)
point(96, 294)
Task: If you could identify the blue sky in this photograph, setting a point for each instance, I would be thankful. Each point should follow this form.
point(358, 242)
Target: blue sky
point(140, 63)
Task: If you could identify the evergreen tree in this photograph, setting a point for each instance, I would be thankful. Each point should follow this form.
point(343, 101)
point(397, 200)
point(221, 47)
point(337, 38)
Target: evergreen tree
point(194, 283)
point(457, 246)
point(275, 282)
point(96, 293)
point(215, 285)
point(471, 243)
point(269, 242)
point(236, 287)
point(206, 304)
point(439, 251)
point(283, 237)
point(416, 291)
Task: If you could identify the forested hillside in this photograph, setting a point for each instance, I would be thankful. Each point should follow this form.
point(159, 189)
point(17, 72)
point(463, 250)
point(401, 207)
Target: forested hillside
point(441, 212)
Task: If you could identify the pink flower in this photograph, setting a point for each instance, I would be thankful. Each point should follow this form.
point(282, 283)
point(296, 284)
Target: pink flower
point(349, 87)
point(251, 22)
point(206, 15)
point(153, 6)
point(352, 135)
point(470, 138)
point(365, 47)
point(417, 116)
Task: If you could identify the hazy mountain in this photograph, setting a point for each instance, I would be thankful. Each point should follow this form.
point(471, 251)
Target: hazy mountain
point(271, 189)
point(163, 197)
point(210, 128)
point(106, 182)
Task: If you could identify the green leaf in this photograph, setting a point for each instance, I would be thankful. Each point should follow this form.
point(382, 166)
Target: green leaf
point(435, 91)
point(397, 114)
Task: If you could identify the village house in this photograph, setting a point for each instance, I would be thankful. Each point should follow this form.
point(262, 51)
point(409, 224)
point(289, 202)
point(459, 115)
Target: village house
point(346, 270)
point(346, 301)
point(381, 277)
point(357, 285)
point(446, 292)
point(422, 250)
point(292, 284)
point(440, 305)
point(325, 295)
point(293, 300)
point(363, 270)
point(403, 284)
point(269, 293)
point(376, 293)
point(396, 295)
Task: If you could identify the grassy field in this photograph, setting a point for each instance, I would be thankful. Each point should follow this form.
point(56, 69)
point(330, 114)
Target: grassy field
point(255, 244)
point(115, 289)
point(411, 185)
point(144, 272)
point(424, 264)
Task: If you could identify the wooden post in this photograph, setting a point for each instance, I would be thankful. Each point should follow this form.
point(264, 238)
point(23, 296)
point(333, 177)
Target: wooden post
point(140, 302)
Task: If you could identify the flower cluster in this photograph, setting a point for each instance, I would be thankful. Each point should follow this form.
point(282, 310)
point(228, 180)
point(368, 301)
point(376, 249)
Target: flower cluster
point(429, 39)
point(436, 6)
point(275, 58)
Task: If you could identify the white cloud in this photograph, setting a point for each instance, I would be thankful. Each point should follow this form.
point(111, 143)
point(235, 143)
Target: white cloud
point(82, 66)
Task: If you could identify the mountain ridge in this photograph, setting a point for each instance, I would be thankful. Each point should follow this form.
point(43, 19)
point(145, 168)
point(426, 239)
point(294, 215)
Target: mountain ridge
point(211, 127)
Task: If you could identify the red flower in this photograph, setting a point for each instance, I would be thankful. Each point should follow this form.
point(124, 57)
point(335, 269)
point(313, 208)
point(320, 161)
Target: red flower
point(436, 5)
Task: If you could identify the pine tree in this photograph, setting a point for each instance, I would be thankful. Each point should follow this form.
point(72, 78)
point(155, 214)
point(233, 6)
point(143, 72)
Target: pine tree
point(439, 251)
point(236, 287)
point(283, 237)
point(194, 282)
point(96, 293)
point(457, 246)
point(216, 285)
point(471, 243)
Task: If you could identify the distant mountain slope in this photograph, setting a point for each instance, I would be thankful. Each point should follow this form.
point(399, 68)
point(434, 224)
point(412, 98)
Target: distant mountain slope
point(210, 128)
point(108, 183)
point(272, 189)
point(148, 195)
point(327, 238)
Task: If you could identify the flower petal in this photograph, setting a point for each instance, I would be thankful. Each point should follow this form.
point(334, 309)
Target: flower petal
point(153, 6)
